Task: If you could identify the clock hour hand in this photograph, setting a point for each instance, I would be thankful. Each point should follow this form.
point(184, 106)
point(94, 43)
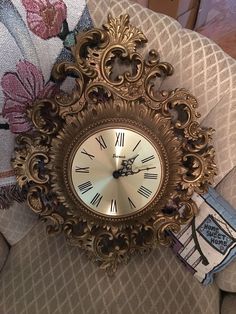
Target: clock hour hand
point(128, 162)
point(122, 172)
point(126, 169)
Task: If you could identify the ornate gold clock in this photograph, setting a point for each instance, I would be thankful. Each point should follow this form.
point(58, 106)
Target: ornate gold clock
point(114, 163)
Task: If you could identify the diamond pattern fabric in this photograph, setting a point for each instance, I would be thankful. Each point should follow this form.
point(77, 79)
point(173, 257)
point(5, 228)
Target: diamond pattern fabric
point(45, 275)
point(209, 74)
point(99, 9)
point(222, 119)
point(16, 222)
point(202, 68)
point(227, 187)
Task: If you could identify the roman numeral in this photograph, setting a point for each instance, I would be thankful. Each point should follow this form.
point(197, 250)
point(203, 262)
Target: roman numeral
point(82, 169)
point(120, 139)
point(96, 200)
point(144, 191)
point(85, 187)
point(147, 159)
point(131, 204)
point(113, 208)
point(136, 145)
point(150, 175)
point(101, 141)
point(89, 155)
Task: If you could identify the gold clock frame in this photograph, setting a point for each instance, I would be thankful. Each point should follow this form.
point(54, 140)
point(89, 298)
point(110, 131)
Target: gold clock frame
point(102, 96)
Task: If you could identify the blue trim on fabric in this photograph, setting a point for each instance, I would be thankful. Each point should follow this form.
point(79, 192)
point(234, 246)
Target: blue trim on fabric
point(221, 206)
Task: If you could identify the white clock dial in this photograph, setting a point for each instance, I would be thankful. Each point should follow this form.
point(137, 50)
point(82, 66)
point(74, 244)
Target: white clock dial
point(116, 172)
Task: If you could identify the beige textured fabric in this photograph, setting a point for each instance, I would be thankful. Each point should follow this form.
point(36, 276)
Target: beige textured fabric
point(16, 222)
point(209, 74)
point(44, 275)
point(229, 304)
point(227, 188)
point(223, 119)
point(4, 250)
point(203, 68)
point(98, 10)
point(226, 279)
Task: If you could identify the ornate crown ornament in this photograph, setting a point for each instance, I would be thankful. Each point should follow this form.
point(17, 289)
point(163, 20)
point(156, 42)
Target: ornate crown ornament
point(114, 85)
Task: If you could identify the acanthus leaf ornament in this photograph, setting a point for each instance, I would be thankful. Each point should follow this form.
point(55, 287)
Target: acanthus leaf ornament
point(114, 94)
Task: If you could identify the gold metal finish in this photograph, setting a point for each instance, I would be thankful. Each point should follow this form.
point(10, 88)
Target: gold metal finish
point(115, 87)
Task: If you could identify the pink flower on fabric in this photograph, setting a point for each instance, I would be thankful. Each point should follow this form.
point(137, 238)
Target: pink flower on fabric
point(20, 89)
point(45, 17)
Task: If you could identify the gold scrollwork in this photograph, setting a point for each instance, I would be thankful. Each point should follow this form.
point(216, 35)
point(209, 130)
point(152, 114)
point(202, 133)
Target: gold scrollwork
point(30, 155)
point(114, 84)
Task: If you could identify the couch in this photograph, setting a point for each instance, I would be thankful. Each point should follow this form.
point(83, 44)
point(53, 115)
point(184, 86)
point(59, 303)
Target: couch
point(42, 274)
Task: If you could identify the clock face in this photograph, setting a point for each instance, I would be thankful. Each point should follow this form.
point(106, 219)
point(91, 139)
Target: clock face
point(116, 172)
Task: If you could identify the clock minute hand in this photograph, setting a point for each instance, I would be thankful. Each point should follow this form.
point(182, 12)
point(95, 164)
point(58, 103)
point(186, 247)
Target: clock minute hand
point(124, 172)
point(143, 169)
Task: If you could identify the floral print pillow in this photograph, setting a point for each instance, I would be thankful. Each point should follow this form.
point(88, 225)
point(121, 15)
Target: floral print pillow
point(45, 18)
point(34, 34)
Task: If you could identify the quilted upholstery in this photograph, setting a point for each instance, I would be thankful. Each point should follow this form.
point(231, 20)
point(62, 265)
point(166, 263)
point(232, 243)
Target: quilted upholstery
point(4, 250)
point(227, 187)
point(44, 275)
point(16, 222)
point(99, 11)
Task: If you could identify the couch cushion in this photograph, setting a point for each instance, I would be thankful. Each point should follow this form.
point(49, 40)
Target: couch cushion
point(226, 280)
point(45, 275)
point(227, 187)
point(229, 304)
point(16, 222)
point(4, 250)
